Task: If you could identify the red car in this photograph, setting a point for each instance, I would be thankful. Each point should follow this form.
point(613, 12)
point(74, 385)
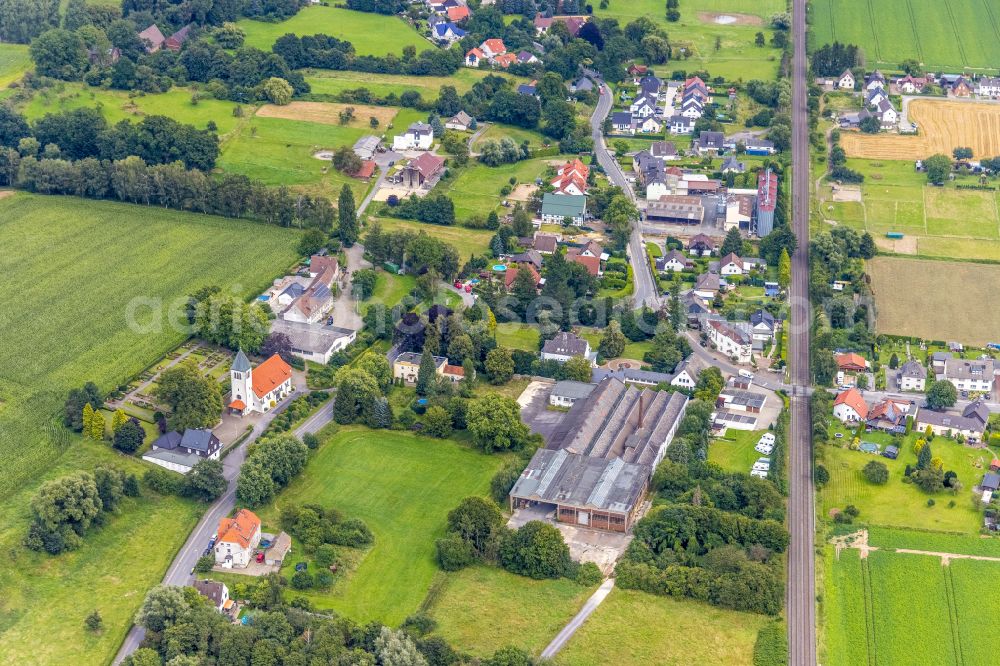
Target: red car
point(260, 557)
point(468, 288)
point(458, 284)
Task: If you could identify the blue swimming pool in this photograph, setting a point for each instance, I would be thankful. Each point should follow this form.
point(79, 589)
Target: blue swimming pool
point(499, 268)
point(869, 447)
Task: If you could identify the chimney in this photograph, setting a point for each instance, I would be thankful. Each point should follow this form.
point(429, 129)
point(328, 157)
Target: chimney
point(642, 394)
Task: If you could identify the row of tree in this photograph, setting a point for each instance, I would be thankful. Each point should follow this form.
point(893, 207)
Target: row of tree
point(270, 464)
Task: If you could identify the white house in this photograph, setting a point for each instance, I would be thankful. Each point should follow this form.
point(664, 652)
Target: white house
point(731, 340)
point(215, 592)
point(567, 392)
point(875, 81)
point(656, 188)
point(988, 86)
point(692, 107)
point(237, 539)
point(762, 328)
point(846, 80)
point(970, 375)
point(685, 376)
point(565, 346)
point(180, 453)
point(258, 389)
point(734, 265)
point(643, 107)
point(460, 121)
point(850, 407)
point(674, 261)
point(912, 376)
point(418, 136)
point(681, 124)
point(649, 125)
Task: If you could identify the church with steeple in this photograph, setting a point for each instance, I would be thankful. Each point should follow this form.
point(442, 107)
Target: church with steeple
point(258, 389)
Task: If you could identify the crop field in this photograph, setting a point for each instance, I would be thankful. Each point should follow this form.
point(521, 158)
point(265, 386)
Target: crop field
point(938, 542)
point(403, 487)
point(326, 113)
point(634, 628)
point(868, 609)
point(82, 271)
point(116, 105)
point(14, 62)
point(955, 34)
point(936, 221)
point(943, 292)
point(943, 126)
point(468, 602)
point(330, 82)
point(280, 152)
point(371, 34)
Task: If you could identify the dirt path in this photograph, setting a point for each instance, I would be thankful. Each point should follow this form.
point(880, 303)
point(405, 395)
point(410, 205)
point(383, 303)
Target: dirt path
point(946, 558)
point(859, 541)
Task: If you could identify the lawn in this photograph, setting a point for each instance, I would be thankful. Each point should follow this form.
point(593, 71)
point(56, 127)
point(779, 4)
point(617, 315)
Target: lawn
point(951, 34)
point(117, 105)
point(466, 241)
point(517, 336)
point(497, 131)
point(734, 451)
point(371, 34)
point(99, 280)
point(330, 82)
point(937, 542)
point(280, 152)
point(403, 487)
point(14, 62)
point(898, 504)
point(634, 628)
point(476, 189)
point(942, 291)
point(633, 350)
point(468, 603)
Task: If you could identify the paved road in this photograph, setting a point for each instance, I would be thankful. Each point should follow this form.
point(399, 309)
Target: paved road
point(646, 290)
point(567, 632)
point(765, 379)
point(800, 607)
point(180, 569)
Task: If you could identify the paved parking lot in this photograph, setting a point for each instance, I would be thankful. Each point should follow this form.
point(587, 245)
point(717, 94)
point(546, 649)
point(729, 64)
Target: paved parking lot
point(534, 401)
point(585, 545)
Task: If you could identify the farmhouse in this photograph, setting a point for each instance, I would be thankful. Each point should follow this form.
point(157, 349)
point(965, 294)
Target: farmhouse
point(407, 368)
point(153, 38)
point(566, 393)
point(558, 207)
point(565, 346)
point(175, 41)
point(418, 136)
point(912, 376)
point(850, 407)
point(461, 121)
point(966, 375)
point(422, 171)
point(595, 469)
point(846, 80)
point(180, 453)
point(238, 538)
point(988, 86)
point(258, 389)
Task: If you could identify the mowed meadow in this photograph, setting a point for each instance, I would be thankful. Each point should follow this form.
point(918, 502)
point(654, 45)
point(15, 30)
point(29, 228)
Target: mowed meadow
point(78, 272)
point(949, 34)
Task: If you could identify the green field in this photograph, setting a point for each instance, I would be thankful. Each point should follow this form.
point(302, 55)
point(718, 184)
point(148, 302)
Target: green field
point(403, 487)
point(955, 34)
point(634, 629)
point(937, 221)
point(466, 241)
point(476, 189)
point(70, 290)
point(939, 542)
point(517, 336)
point(371, 34)
point(330, 82)
point(734, 451)
point(14, 62)
point(868, 609)
point(898, 504)
point(280, 152)
point(116, 105)
point(467, 604)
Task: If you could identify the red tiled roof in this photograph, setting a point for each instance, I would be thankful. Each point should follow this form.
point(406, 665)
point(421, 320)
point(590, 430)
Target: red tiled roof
point(239, 529)
point(851, 360)
point(852, 398)
point(495, 45)
point(458, 13)
point(270, 374)
point(318, 263)
point(366, 170)
point(592, 264)
point(506, 59)
point(511, 274)
point(476, 52)
point(456, 370)
point(238, 404)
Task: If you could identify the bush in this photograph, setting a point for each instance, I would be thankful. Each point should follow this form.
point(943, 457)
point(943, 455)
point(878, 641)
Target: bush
point(453, 553)
point(419, 624)
point(876, 472)
point(163, 481)
point(537, 550)
point(302, 580)
point(324, 579)
point(352, 533)
point(325, 555)
point(588, 574)
point(310, 440)
point(205, 564)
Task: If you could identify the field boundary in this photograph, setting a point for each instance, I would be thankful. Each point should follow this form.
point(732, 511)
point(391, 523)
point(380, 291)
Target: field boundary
point(949, 593)
point(869, 603)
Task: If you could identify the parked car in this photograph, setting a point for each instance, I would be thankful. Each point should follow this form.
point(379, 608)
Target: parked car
point(260, 557)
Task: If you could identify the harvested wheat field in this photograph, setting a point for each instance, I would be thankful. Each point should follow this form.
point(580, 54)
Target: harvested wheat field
point(329, 114)
point(943, 126)
point(936, 300)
